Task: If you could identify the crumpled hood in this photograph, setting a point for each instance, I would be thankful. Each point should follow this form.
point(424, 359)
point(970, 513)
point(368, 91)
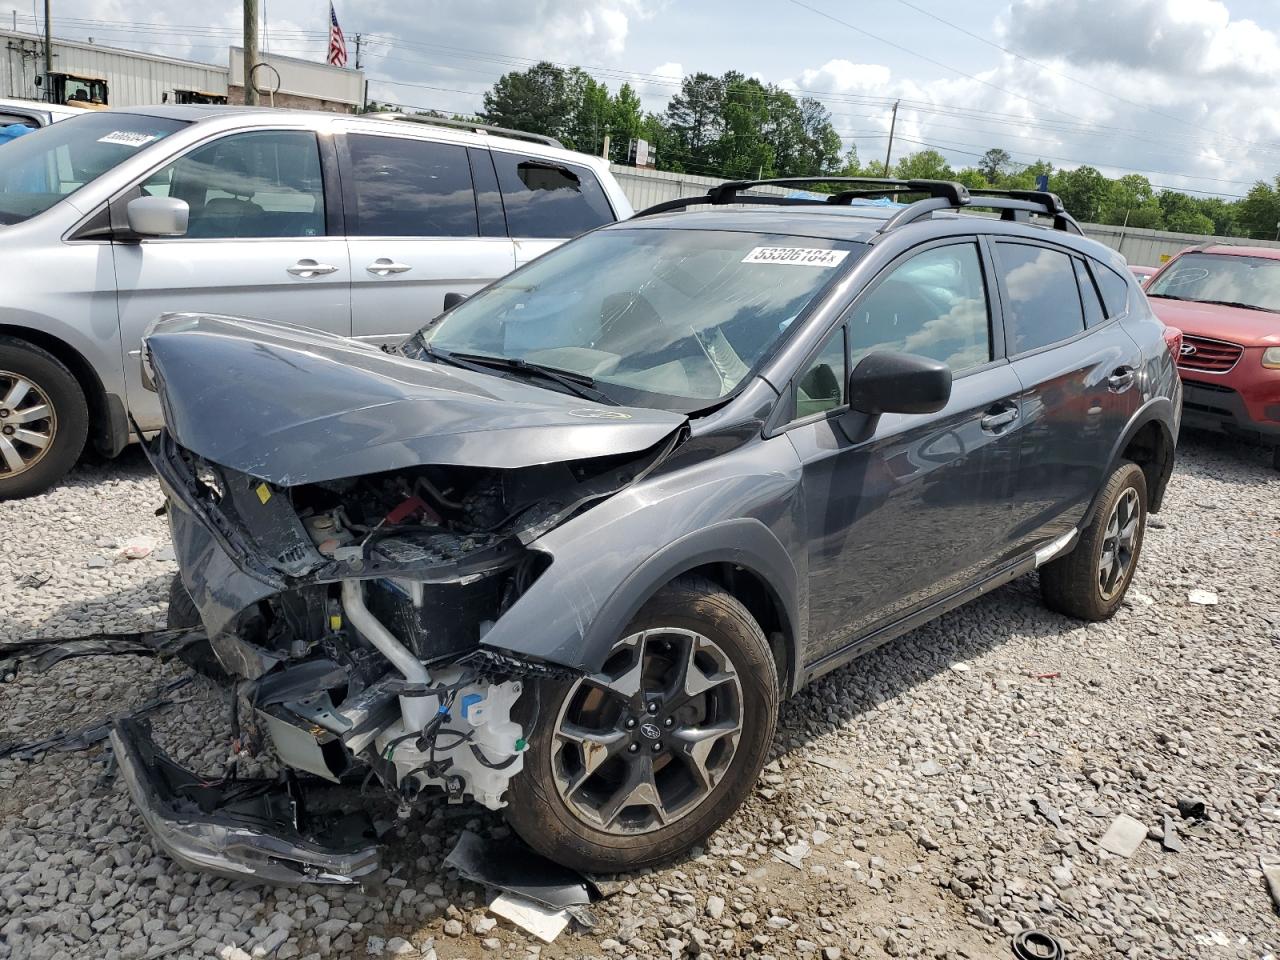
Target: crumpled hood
point(1249, 328)
point(292, 405)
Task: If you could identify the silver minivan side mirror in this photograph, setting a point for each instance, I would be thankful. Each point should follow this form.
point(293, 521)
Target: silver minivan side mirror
point(158, 216)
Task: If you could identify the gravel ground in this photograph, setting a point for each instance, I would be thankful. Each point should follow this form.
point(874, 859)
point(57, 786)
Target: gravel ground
point(930, 800)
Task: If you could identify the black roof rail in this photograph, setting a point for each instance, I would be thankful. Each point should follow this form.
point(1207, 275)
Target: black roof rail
point(467, 125)
point(941, 195)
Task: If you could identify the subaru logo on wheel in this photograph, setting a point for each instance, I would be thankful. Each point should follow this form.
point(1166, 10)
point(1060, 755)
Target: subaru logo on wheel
point(1188, 349)
point(650, 730)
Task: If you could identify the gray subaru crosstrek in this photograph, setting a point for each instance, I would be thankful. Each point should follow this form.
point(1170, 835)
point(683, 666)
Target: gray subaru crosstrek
point(565, 549)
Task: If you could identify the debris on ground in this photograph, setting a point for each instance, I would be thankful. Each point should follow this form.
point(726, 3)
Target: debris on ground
point(1170, 839)
point(794, 854)
point(94, 733)
point(1192, 808)
point(833, 763)
point(136, 548)
point(1047, 810)
point(1205, 598)
point(39, 655)
point(1271, 873)
point(543, 922)
point(511, 867)
point(36, 579)
point(1037, 945)
point(1124, 836)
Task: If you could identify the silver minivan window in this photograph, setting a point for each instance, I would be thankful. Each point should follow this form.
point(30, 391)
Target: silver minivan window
point(41, 168)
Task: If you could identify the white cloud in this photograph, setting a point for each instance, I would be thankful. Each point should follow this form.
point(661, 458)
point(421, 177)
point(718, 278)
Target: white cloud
point(845, 76)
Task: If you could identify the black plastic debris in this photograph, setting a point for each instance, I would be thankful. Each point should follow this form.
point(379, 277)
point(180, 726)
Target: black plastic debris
point(1037, 945)
point(95, 733)
point(39, 655)
point(510, 866)
point(1192, 808)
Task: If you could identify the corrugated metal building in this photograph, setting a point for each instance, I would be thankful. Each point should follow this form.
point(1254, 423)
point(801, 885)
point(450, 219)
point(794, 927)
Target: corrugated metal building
point(138, 79)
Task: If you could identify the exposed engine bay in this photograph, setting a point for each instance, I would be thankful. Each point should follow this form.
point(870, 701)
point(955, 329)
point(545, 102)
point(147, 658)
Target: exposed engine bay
point(366, 661)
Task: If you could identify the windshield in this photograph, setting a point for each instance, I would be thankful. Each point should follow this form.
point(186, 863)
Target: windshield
point(1252, 282)
point(674, 319)
point(39, 169)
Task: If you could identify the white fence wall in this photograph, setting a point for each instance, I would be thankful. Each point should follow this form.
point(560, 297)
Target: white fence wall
point(647, 187)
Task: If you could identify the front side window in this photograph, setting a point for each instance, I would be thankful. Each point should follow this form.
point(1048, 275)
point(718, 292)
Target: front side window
point(261, 184)
point(1249, 282)
point(410, 188)
point(933, 305)
point(670, 318)
point(1043, 300)
point(42, 167)
point(823, 385)
point(546, 198)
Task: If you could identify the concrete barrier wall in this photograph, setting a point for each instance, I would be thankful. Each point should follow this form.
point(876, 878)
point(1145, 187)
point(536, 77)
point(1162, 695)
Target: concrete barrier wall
point(644, 188)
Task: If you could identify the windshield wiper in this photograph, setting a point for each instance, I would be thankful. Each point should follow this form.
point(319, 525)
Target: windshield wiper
point(578, 384)
point(1237, 303)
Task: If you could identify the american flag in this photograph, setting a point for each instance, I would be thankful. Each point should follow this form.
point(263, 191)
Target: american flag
point(337, 42)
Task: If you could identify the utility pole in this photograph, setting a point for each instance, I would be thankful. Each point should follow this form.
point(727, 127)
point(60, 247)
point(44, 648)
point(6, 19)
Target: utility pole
point(250, 51)
point(357, 51)
point(48, 52)
point(893, 123)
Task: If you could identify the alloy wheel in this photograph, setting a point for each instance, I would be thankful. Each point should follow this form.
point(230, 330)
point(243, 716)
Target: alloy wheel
point(28, 424)
point(641, 744)
point(1118, 543)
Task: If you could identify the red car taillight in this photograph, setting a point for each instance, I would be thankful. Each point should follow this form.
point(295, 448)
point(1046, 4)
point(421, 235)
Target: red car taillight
point(1173, 340)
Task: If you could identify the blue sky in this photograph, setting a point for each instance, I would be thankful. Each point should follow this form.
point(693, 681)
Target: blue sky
point(1186, 91)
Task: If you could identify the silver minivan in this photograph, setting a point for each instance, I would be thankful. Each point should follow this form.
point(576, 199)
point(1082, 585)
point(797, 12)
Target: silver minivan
point(354, 225)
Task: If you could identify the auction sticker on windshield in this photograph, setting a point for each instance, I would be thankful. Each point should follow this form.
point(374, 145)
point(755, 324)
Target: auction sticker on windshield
point(796, 256)
point(127, 138)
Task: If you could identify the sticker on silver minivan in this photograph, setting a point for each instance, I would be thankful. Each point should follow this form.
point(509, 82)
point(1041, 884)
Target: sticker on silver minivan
point(796, 256)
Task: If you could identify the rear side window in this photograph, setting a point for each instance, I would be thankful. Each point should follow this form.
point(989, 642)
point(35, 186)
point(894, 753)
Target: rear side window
point(410, 188)
point(546, 198)
point(1042, 300)
point(1094, 313)
point(1115, 289)
point(261, 184)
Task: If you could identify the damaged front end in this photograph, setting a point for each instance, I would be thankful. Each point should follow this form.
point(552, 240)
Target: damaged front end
point(350, 614)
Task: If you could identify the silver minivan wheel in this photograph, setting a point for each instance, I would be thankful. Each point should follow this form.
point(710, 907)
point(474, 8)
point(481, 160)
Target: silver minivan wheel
point(28, 423)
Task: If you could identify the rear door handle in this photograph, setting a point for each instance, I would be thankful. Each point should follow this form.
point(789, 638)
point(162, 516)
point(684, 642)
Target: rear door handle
point(309, 268)
point(998, 417)
point(1121, 379)
point(384, 266)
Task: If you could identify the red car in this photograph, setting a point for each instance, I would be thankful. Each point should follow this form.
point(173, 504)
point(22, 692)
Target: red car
point(1143, 273)
point(1226, 302)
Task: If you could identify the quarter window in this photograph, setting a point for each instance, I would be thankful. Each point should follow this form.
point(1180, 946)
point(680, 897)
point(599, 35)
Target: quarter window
point(823, 385)
point(410, 188)
point(1094, 313)
point(1115, 289)
point(933, 305)
point(545, 198)
point(261, 184)
point(1043, 300)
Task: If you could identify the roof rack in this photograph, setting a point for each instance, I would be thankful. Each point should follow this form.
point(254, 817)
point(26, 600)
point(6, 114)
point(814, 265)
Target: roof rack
point(940, 195)
point(468, 125)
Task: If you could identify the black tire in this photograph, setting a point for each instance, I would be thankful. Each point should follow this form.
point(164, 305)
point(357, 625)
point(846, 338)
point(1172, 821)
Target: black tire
point(183, 613)
point(542, 818)
point(1072, 584)
point(69, 422)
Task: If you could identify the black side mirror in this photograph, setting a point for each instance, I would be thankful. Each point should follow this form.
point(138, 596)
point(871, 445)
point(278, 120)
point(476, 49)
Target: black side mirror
point(887, 382)
point(451, 300)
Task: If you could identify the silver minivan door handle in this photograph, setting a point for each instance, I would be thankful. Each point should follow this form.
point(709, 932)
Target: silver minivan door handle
point(309, 268)
point(385, 266)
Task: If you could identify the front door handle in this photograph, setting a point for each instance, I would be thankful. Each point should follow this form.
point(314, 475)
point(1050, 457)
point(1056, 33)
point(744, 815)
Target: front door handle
point(998, 417)
point(309, 268)
point(1121, 379)
point(384, 266)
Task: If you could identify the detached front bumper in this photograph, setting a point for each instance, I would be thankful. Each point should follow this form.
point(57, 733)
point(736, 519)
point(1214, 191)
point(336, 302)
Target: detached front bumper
point(244, 829)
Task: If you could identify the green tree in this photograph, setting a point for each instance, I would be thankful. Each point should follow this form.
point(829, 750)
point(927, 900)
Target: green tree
point(924, 165)
point(625, 121)
point(694, 121)
point(993, 165)
point(537, 100)
point(1259, 212)
point(1084, 191)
